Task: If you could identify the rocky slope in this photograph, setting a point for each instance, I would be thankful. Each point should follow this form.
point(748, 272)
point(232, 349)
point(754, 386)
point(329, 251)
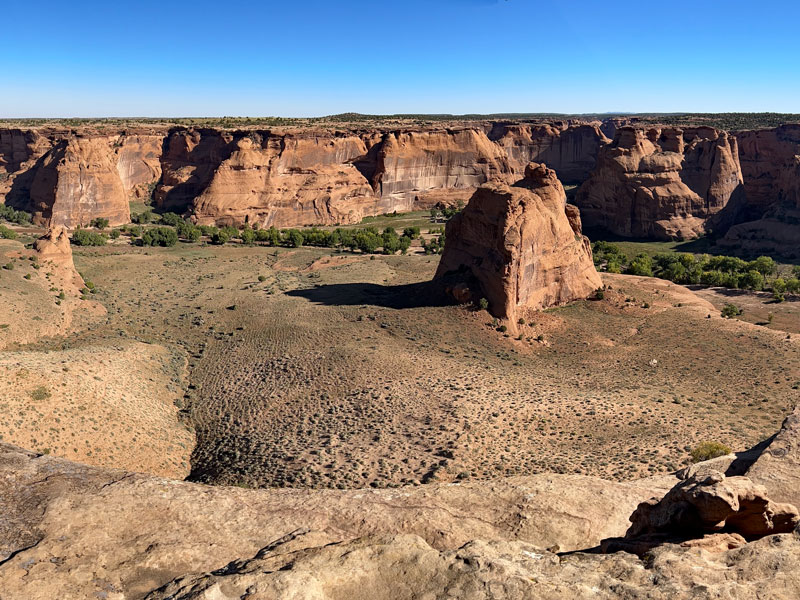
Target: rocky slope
point(661, 183)
point(517, 247)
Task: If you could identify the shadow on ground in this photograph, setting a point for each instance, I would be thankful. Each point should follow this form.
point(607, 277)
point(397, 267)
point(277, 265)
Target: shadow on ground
point(412, 295)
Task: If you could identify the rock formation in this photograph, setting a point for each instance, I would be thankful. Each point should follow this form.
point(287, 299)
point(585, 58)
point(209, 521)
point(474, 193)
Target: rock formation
point(281, 178)
point(661, 183)
point(139, 164)
point(75, 531)
point(516, 247)
point(78, 181)
point(706, 505)
point(778, 466)
point(767, 219)
point(288, 181)
point(570, 150)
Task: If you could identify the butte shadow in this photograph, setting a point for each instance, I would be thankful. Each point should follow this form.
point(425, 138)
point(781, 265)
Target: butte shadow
point(411, 295)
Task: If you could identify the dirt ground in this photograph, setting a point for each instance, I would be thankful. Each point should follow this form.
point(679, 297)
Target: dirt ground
point(342, 370)
point(757, 307)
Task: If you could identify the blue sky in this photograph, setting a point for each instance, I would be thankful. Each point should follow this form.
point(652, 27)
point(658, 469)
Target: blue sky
point(311, 58)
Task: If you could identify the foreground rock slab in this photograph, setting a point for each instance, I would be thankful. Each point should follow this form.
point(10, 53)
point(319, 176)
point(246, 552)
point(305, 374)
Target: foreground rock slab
point(72, 531)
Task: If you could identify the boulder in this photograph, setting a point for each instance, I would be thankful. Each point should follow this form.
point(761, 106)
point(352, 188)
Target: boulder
point(517, 247)
point(706, 505)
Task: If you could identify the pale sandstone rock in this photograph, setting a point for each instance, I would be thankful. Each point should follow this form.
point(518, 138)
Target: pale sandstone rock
point(704, 505)
point(778, 466)
point(134, 533)
point(520, 246)
point(661, 183)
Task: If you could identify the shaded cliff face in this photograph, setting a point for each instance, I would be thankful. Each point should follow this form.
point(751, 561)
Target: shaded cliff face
point(570, 150)
point(661, 183)
point(520, 246)
point(19, 152)
point(78, 181)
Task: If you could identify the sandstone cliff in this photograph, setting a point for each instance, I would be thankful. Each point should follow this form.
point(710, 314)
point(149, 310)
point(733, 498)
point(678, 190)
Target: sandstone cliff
point(520, 247)
point(19, 152)
point(767, 219)
point(78, 181)
point(571, 151)
point(661, 183)
point(139, 163)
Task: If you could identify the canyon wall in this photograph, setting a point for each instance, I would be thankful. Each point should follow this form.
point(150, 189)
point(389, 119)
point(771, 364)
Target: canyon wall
point(520, 247)
point(661, 183)
point(570, 150)
point(276, 178)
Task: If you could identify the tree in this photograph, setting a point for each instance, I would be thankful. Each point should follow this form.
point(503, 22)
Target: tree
point(752, 280)
point(220, 237)
point(294, 239)
point(248, 236)
point(731, 310)
point(764, 265)
point(82, 237)
point(171, 219)
point(99, 223)
point(160, 236)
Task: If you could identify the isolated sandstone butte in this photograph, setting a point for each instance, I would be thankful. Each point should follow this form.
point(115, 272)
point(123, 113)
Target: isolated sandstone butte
point(661, 183)
point(78, 181)
point(520, 246)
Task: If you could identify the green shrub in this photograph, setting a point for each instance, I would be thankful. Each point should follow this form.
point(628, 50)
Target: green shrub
point(483, 304)
point(99, 223)
point(220, 237)
point(160, 236)
point(172, 219)
point(115, 233)
point(82, 237)
point(731, 310)
point(40, 393)
point(247, 236)
point(708, 450)
point(20, 217)
point(7, 234)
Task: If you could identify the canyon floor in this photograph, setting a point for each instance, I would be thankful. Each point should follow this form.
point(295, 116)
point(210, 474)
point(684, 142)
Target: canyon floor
point(313, 368)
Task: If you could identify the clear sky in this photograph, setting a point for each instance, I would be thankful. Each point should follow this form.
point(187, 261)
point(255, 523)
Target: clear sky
point(89, 58)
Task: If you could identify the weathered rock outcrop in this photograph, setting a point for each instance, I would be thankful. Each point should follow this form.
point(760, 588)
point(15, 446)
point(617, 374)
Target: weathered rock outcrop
point(778, 466)
point(78, 181)
point(570, 150)
point(19, 152)
point(519, 247)
point(706, 505)
point(74, 531)
point(661, 183)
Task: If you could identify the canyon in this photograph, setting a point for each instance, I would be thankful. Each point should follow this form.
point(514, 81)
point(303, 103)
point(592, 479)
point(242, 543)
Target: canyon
point(633, 179)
